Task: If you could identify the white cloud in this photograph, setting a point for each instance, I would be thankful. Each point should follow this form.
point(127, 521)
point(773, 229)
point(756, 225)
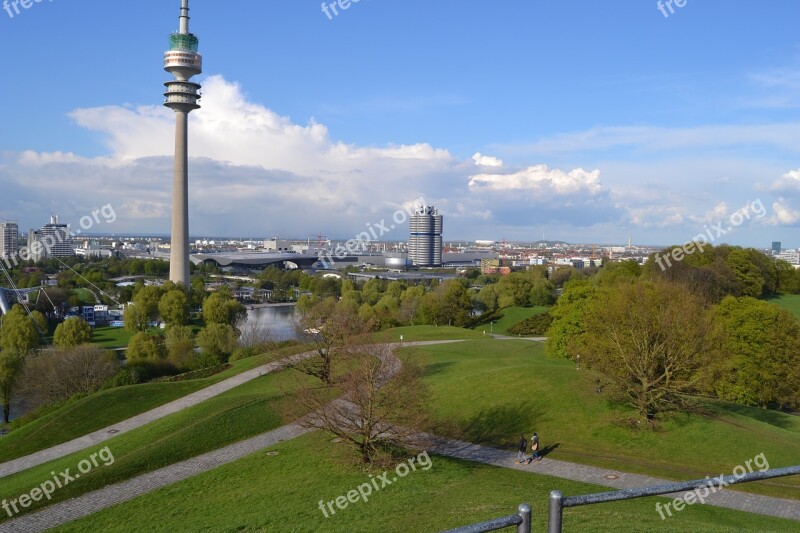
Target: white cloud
point(486, 161)
point(788, 183)
point(784, 214)
point(542, 181)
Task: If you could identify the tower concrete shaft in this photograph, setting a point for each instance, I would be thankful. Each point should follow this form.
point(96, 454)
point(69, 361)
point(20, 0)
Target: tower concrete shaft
point(179, 249)
point(183, 61)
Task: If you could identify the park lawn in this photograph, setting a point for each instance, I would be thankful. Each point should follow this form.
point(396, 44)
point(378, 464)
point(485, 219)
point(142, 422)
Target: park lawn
point(85, 296)
point(511, 316)
point(252, 408)
point(108, 337)
point(283, 493)
point(107, 407)
point(425, 333)
point(790, 302)
point(490, 391)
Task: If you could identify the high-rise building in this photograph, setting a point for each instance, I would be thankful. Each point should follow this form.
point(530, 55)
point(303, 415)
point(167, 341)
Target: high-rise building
point(182, 61)
point(425, 237)
point(776, 247)
point(9, 240)
point(55, 239)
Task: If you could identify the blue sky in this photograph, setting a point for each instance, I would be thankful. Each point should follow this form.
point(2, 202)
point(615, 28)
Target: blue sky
point(609, 119)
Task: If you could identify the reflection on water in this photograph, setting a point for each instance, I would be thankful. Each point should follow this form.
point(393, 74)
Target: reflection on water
point(278, 318)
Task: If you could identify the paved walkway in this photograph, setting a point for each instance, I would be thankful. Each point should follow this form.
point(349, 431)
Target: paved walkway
point(752, 503)
point(109, 496)
point(92, 502)
point(102, 435)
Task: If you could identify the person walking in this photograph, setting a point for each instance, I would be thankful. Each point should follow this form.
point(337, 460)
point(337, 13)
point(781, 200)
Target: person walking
point(535, 448)
point(521, 447)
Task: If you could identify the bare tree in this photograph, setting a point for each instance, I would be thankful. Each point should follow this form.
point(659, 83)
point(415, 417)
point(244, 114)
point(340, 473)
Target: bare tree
point(57, 375)
point(384, 402)
point(332, 328)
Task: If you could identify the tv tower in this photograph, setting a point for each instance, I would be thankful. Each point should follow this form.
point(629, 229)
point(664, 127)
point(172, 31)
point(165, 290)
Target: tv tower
point(183, 62)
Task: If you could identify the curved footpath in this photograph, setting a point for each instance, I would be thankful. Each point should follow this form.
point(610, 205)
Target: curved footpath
point(102, 435)
point(111, 495)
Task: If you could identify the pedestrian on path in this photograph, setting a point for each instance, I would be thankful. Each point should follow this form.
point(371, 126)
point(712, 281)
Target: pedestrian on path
point(535, 448)
point(523, 445)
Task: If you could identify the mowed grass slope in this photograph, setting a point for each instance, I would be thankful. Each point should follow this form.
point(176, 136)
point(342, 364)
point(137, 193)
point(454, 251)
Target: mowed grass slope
point(282, 493)
point(490, 391)
point(511, 316)
point(108, 407)
point(240, 413)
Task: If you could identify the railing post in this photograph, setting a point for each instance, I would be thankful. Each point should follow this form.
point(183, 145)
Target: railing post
point(524, 513)
point(556, 512)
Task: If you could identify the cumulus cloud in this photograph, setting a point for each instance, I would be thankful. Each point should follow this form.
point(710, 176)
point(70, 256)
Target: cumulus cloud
point(544, 182)
point(486, 161)
point(784, 214)
point(788, 183)
point(254, 172)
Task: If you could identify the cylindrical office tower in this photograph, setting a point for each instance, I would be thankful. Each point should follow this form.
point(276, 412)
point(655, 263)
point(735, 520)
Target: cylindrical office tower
point(425, 237)
point(183, 61)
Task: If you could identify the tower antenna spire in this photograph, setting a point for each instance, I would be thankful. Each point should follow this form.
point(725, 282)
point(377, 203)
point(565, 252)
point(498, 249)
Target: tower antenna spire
point(184, 17)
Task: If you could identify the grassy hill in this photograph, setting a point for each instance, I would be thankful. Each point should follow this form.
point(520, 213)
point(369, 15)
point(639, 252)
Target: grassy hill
point(490, 391)
point(107, 407)
point(283, 493)
point(484, 390)
point(511, 316)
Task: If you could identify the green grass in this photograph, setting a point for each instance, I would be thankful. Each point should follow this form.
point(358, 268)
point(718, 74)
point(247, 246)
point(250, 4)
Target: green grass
point(790, 302)
point(246, 411)
point(426, 333)
point(108, 337)
point(282, 493)
point(490, 391)
point(86, 297)
point(511, 316)
point(110, 406)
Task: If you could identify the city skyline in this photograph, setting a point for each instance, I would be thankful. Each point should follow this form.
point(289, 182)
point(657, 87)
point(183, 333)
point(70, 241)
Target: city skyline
point(646, 125)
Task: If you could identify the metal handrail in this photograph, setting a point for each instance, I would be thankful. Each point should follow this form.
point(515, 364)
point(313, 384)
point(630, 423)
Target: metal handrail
point(522, 520)
point(558, 502)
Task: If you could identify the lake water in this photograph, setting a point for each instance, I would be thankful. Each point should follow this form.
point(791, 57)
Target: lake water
point(278, 318)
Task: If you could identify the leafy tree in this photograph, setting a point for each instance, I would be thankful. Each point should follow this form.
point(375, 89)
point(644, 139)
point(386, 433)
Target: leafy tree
point(174, 308)
point(760, 362)
point(72, 332)
point(180, 345)
point(144, 348)
point(787, 278)
point(650, 339)
point(217, 341)
point(568, 318)
point(143, 310)
point(221, 308)
point(18, 339)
